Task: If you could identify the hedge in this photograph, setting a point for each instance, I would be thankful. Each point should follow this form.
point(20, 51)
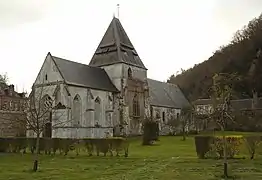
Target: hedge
point(232, 146)
point(203, 145)
point(212, 146)
point(64, 145)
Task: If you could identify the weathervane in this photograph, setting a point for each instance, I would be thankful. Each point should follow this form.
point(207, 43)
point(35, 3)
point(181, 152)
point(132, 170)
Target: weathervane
point(117, 11)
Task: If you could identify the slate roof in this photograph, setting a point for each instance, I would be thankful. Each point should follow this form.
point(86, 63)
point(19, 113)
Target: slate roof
point(237, 104)
point(83, 75)
point(116, 47)
point(202, 102)
point(166, 95)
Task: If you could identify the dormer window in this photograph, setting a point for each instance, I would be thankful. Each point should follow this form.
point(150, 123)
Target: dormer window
point(129, 73)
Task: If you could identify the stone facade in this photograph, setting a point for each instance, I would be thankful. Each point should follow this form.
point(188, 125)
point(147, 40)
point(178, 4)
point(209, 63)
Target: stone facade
point(12, 114)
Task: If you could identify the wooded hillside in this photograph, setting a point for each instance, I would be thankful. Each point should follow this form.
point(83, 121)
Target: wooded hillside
point(237, 56)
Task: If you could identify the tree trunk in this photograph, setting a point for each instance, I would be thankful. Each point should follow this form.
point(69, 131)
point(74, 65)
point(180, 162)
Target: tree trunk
point(224, 139)
point(225, 154)
point(184, 133)
point(35, 165)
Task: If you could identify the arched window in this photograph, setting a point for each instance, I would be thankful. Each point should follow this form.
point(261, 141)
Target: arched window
point(47, 102)
point(98, 110)
point(129, 72)
point(58, 96)
point(76, 114)
point(89, 98)
point(110, 102)
point(136, 109)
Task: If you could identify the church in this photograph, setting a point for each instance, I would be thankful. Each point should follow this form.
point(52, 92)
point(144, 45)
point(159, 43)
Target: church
point(109, 96)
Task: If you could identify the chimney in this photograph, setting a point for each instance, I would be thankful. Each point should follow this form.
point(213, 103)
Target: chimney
point(255, 99)
point(11, 89)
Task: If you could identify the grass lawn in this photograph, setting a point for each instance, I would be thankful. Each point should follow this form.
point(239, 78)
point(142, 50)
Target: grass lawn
point(172, 159)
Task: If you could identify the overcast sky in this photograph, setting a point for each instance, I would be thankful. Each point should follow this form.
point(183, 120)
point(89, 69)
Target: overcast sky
point(167, 34)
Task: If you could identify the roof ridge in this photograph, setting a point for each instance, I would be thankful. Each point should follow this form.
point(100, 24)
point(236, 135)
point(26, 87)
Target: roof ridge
point(75, 62)
point(163, 82)
point(245, 99)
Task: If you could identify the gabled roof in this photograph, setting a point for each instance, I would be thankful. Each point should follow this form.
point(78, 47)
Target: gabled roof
point(166, 95)
point(83, 75)
point(116, 47)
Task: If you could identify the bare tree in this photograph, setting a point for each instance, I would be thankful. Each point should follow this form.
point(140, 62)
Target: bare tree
point(183, 121)
point(222, 90)
point(3, 78)
point(38, 110)
point(42, 113)
point(3, 81)
point(186, 119)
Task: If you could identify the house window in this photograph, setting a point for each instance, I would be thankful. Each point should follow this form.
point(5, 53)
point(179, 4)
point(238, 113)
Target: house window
point(136, 109)
point(11, 105)
point(129, 73)
point(177, 115)
point(163, 116)
point(46, 77)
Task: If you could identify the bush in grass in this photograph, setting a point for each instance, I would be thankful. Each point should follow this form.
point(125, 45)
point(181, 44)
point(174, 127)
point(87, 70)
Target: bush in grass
point(252, 143)
point(203, 145)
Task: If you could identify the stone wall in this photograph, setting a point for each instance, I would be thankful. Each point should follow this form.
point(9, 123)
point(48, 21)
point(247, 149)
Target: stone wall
point(163, 115)
point(12, 124)
point(86, 122)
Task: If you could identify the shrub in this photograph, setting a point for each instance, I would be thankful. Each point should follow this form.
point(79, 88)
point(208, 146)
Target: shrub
point(233, 144)
point(252, 143)
point(203, 145)
point(151, 132)
point(212, 147)
point(4, 145)
point(192, 132)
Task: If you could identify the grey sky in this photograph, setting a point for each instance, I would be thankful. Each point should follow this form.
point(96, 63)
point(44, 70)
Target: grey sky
point(168, 34)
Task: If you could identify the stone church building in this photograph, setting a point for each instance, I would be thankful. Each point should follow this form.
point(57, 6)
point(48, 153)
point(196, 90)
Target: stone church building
point(110, 95)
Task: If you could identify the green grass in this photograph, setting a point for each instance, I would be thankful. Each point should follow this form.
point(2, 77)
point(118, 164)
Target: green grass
point(170, 159)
